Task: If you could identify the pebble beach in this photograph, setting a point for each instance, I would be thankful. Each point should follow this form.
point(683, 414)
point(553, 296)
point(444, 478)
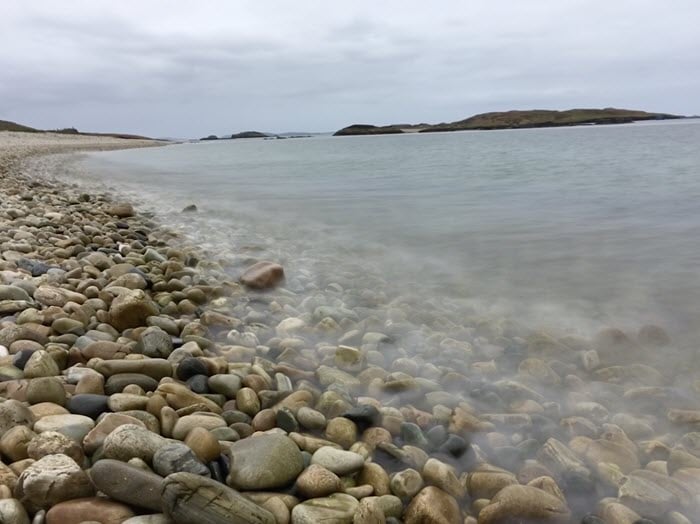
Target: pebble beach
point(142, 383)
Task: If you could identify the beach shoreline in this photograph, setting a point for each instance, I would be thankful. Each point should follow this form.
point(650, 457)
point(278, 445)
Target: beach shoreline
point(127, 358)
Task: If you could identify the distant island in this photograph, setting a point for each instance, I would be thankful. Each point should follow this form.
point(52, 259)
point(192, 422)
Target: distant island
point(514, 120)
point(6, 125)
point(256, 134)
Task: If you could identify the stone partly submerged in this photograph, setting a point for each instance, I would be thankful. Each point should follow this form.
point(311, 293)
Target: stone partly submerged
point(141, 383)
point(263, 275)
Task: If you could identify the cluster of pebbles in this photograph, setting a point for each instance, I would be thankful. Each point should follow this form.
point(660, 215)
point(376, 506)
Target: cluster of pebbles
point(140, 383)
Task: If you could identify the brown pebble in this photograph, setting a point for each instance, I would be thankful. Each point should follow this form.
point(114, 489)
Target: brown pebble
point(204, 445)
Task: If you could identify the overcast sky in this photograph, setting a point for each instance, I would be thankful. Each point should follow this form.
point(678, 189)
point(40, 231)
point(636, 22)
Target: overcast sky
point(187, 69)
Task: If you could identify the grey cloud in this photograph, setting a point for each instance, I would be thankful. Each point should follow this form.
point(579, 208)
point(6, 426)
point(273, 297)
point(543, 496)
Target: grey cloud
point(307, 65)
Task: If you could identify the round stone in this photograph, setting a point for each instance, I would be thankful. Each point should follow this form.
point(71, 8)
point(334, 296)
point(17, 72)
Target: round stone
point(129, 441)
point(13, 443)
point(50, 480)
point(131, 309)
point(46, 389)
point(406, 483)
point(342, 431)
point(316, 481)
point(247, 401)
point(310, 418)
point(204, 444)
point(41, 364)
point(264, 462)
point(155, 343)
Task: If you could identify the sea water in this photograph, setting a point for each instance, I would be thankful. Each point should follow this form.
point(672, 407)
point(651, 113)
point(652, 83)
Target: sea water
point(571, 229)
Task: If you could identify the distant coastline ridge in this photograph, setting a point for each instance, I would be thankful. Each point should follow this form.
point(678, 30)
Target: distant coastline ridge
point(515, 120)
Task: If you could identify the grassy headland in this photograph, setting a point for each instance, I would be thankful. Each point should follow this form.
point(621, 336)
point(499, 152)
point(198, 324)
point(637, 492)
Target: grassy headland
point(6, 125)
point(515, 120)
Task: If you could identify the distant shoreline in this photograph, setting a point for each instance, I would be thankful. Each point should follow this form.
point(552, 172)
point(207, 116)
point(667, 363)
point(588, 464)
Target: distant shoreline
point(530, 119)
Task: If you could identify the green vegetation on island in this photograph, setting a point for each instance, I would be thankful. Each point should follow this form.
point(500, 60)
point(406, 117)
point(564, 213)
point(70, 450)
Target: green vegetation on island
point(515, 120)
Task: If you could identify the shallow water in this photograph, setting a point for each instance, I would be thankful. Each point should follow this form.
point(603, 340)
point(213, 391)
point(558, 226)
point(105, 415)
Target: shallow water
point(568, 228)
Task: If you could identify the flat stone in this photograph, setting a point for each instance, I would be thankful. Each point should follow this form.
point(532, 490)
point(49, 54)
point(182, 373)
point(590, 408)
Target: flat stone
point(338, 509)
point(264, 462)
point(338, 461)
point(156, 368)
point(120, 210)
point(198, 420)
point(117, 383)
point(104, 349)
point(72, 426)
point(127, 484)
point(127, 402)
point(14, 293)
point(189, 498)
point(51, 480)
point(88, 405)
point(68, 326)
point(263, 275)
point(155, 518)
point(86, 509)
point(54, 296)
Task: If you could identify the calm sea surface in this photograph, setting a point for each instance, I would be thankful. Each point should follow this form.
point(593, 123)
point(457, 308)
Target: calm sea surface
point(572, 228)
